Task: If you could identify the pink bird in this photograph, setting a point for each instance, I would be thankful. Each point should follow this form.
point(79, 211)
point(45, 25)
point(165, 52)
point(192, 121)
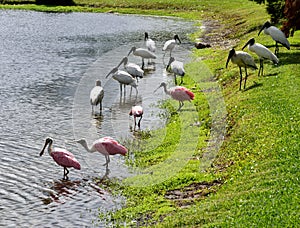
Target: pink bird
point(178, 93)
point(106, 146)
point(137, 111)
point(62, 157)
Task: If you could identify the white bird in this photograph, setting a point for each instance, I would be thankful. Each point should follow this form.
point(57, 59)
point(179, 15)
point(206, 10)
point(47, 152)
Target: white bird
point(177, 68)
point(123, 78)
point(170, 44)
point(262, 52)
point(143, 53)
point(276, 34)
point(242, 59)
point(150, 44)
point(96, 95)
point(132, 68)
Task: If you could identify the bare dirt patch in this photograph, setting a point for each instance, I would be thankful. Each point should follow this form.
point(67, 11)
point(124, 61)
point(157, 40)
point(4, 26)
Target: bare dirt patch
point(186, 196)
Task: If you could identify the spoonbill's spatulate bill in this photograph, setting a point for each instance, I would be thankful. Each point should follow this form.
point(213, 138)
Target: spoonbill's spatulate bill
point(276, 34)
point(106, 146)
point(242, 59)
point(178, 93)
point(61, 156)
point(262, 52)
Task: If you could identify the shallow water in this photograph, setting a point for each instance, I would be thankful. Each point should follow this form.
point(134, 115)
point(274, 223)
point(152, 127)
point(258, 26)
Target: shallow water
point(49, 63)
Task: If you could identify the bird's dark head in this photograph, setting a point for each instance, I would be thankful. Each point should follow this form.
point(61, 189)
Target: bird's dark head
point(163, 84)
point(98, 83)
point(146, 36)
point(176, 37)
point(231, 53)
point(266, 25)
point(131, 50)
point(250, 42)
point(48, 141)
point(172, 59)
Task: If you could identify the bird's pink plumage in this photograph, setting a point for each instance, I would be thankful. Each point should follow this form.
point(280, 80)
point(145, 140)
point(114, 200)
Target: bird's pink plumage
point(109, 146)
point(65, 158)
point(181, 93)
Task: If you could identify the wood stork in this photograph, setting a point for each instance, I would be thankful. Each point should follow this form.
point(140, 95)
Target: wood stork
point(132, 68)
point(242, 59)
point(177, 68)
point(106, 146)
point(262, 52)
point(150, 44)
point(170, 44)
point(178, 93)
point(143, 53)
point(276, 34)
point(61, 156)
point(124, 79)
point(96, 95)
point(137, 111)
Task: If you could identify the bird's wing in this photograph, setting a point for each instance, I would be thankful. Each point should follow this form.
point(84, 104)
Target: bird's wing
point(65, 159)
point(113, 147)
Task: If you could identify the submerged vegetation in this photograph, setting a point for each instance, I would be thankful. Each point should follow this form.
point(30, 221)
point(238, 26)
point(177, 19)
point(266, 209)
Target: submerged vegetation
point(252, 179)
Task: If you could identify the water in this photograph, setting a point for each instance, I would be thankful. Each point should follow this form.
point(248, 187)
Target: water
point(49, 63)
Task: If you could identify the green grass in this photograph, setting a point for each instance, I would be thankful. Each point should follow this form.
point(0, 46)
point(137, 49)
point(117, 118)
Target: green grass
point(257, 167)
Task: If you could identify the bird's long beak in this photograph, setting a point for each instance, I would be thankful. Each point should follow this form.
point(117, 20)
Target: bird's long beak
point(246, 44)
point(179, 40)
point(42, 151)
point(262, 28)
point(156, 89)
point(112, 71)
point(131, 50)
point(122, 61)
point(228, 58)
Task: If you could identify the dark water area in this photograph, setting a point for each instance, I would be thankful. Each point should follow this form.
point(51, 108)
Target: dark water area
point(49, 64)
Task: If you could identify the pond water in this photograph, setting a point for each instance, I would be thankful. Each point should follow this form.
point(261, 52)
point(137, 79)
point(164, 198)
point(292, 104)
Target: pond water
point(49, 64)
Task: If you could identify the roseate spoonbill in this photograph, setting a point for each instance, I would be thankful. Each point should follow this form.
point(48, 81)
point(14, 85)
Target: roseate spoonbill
point(170, 44)
point(150, 44)
point(132, 68)
point(96, 95)
point(143, 53)
point(61, 156)
point(178, 93)
point(106, 146)
point(137, 111)
point(242, 59)
point(262, 52)
point(276, 34)
point(177, 68)
point(123, 78)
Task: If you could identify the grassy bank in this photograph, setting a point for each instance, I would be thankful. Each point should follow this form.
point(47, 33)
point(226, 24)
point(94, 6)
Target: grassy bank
point(254, 178)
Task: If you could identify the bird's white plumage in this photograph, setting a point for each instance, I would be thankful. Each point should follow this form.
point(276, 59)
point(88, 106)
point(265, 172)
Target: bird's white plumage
point(263, 52)
point(124, 78)
point(169, 45)
point(96, 95)
point(243, 59)
point(277, 35)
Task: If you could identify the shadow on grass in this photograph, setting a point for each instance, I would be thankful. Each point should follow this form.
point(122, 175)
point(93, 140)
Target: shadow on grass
point(255, 85)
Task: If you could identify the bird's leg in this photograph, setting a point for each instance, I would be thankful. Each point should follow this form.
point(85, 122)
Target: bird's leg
point(66, 172)
point(245, 77)
point(143, 63)
point(124, 90)
point(134, 122)
point(100, 106)
point(92, 109)
point(120, 89)
point(175, 79)
point(139, 123)
point(181, 81)
point(180, 105)
point(260, 66)
point(241, 78)
point(276, 49)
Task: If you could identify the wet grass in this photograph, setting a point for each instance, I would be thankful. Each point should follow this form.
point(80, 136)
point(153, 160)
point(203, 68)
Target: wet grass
point(254, 178)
